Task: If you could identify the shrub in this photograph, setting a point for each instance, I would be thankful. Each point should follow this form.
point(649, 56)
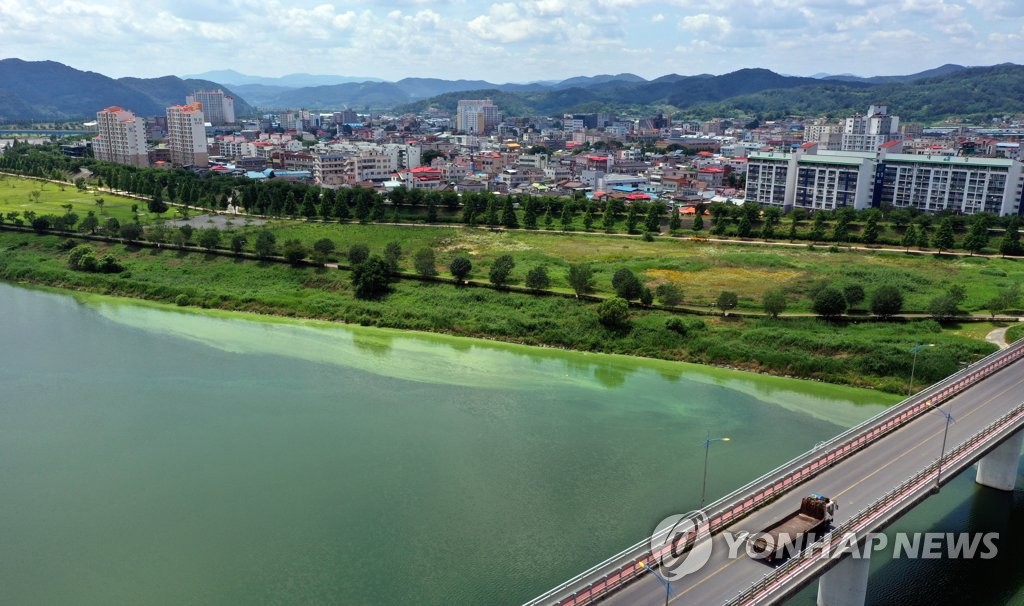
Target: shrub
point(668, 294)
point(501, 270)
point(613, 313)
point(460, 267)
point(537, 278)
point(357, 253)
point(371, 278)
point(727, 300)
point(887, 300)
point(829, 302)
point(294, 251)
point(626, 284)
point(181, 300)
point(425, 262)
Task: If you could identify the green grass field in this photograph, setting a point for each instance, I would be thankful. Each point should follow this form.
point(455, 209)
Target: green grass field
point(702, 270)
point(869, 354)
point(16, 196)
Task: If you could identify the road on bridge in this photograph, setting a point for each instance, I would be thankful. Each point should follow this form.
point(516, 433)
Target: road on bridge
point(854, 482)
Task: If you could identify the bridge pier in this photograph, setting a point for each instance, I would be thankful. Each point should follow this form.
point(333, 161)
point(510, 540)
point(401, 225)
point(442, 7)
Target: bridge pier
point(846, 584)
point(998, 469)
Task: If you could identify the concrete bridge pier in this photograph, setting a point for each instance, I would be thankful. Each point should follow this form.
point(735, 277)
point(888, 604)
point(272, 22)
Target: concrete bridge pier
point(998, 469)
point(846, 584)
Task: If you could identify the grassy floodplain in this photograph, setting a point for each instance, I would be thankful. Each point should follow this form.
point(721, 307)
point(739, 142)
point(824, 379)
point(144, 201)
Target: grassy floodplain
point(701, 269)
point(867, 354)
point(16, 195)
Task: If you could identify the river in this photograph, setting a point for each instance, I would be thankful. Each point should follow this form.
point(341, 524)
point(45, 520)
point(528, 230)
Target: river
point(160, 456)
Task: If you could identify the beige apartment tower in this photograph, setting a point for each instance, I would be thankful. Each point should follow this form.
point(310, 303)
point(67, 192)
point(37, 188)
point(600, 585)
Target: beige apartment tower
point(186, 135)
point(121, 137)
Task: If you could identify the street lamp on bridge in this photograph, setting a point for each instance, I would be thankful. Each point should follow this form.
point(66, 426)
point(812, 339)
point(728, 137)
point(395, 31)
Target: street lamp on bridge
point(707, 447)
point(942, 453)
point(664, 581)
point(915, 349)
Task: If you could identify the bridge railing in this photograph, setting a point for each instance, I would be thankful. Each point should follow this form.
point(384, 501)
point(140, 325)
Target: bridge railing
point(623, 567)
point(777, 583)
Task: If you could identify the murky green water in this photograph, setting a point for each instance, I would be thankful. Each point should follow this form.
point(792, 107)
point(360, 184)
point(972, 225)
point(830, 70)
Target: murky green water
point(159, 457)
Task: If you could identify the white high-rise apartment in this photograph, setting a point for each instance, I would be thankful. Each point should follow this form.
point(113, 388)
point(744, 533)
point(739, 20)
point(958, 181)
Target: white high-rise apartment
point(186, 135)
point(868, 133)
point(476, 116)
point(218, 107)
point(121, 137)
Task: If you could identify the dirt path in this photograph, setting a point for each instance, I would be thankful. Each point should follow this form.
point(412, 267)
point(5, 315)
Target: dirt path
point(998, 337)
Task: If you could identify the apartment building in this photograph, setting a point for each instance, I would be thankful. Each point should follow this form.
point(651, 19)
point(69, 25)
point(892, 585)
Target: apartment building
point(815, 180)
point(186, 135)
point(868, 133)
point(476, 116)
point(218, 107)
point(121, 137)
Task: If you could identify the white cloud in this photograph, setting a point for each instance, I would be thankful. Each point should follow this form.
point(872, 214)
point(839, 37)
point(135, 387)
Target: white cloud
point(705, 23)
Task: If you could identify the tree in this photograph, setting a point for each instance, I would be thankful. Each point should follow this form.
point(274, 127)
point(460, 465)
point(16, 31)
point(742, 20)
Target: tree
point(774, 302)
point(309, 202)
point(674, 222)
point(371, 278)
point(944, 238)
point(653, 222)
point(818, 227)
point(157, 205)
point(425, 262)
point(631, 219)
point(613, 313)
point(727, 300)
point(646, 296)
point(265, 244)
point(588, 218)
point(90, 223)
point(854, 294)
point(566, 215)
point(771, 221)
point(294, 251)
point(112, 226)
point(668, 294)
point(131, 231)
point(460, 267)
point(870, 234)
point(886, 301)
point(323, 249)
point(580, 278)
point(626, 284)
point(1010, 245)
point(431, 210)
point(501, 270)
point(977, 238)
point(909, 237)
point(698, 222)
point(829, 302)
point(238, 242)
point(1007, 298)
point(357, 253)
point(209, 238)
point(744, 227)
point(537, 278)
point(508, 214)
point(392, 255)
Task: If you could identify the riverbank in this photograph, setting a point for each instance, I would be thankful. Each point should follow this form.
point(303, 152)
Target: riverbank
point(869, 354)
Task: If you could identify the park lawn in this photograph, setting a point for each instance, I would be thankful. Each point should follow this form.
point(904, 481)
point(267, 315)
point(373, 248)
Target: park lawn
point(15, 192)
point(869, 354)
point(1015, 333)
point(701, 269)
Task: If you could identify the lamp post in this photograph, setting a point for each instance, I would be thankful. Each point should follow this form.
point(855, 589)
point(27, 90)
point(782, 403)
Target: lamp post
point(942, 452)
point(707, 447)
point(664, 581)
point(913, 366)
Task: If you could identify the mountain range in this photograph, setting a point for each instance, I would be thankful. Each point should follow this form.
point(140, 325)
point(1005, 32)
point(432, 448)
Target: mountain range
point(49, 91)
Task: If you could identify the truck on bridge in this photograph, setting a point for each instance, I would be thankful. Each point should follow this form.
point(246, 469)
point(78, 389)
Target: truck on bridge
point(773, 543)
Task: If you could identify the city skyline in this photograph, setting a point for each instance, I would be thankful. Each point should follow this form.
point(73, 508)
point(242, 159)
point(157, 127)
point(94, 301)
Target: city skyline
point(519, 41)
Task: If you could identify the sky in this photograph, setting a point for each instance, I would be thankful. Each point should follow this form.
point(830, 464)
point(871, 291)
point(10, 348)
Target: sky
point(512, 41)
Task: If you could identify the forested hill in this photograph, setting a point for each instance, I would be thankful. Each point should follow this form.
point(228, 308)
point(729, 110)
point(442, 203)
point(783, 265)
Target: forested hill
point(977, 93)
point(47, 91)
